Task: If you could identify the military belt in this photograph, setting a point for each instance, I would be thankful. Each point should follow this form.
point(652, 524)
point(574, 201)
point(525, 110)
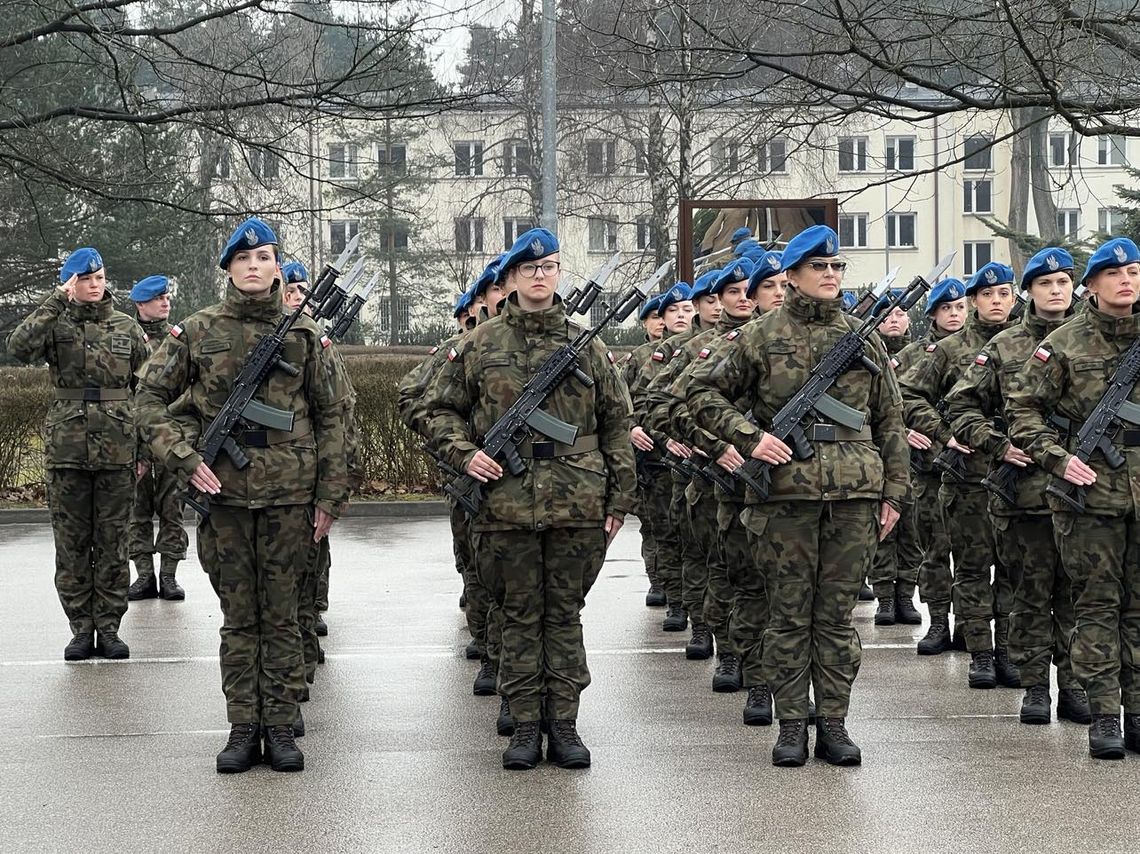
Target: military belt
point(263, 438)
point(92, 395)
point(1128, 437)
point(837, 433)
point(550, 450)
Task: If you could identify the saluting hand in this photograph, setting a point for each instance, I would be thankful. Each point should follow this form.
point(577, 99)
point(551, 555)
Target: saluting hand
point(68, 288)
point(888, 518)
point(771, 450)
point(205, 481)
point(640, 439)
point(1079, 472)
point(483, 468)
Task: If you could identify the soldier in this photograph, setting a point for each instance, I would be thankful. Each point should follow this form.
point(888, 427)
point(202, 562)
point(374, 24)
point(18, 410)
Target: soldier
point(739, 236)
point(541, 537)
point(89, 446)
point(156, 491)
point(1041, 617)
point(814, 537)
point(894, 571)
point(1067, 376)
point(964, 501)
point(264, 515)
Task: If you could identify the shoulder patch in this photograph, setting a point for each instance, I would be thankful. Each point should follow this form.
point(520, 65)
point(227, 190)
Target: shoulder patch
point(931, 347)
point(981, 359)
point(176, 330)
point(733, 335)
point(1042, 354)
point(433, 350)
point(610, 356)
point(658, 356)
point(146, 338)
point(894, 362)
point(452, 354)
point(326, 342)
point(704, 354)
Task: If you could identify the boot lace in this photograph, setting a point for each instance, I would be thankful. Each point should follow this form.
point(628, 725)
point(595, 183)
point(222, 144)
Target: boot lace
point(759, 695)
point(836, 731)
point(727, 664)
point(525, 735)
point(1037, 694)
point(1106, 725)
point(282, 735)
point(239, 735)
point(566, 732)
point(983, 659)
point(791, 732)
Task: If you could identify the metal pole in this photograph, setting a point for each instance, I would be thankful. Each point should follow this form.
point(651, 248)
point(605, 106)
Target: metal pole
point(549, 117)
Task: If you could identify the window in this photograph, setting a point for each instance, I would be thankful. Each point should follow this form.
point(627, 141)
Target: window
point(772, 156)
point(513, 227)
point(1060, 146)
point(1110, 151)
point(900, 230)
point(403, 313)
point(977, 197)
point(852, 155)
point(468, 234)
point(392, 157)
point(1110, 220)
point(640, 161)
point(468, 158)
point(601, 156)
point(979, 153)
point(516, 158)
point(264, 164)
point(222, 164)
point(900, 153)
point(1068, 221)
point(853, 231)
point(725, 156)
point(644, 233)
point(340, 232)
point(603, 234)
point(393, 236)
point(975, 255)
point(342, 160)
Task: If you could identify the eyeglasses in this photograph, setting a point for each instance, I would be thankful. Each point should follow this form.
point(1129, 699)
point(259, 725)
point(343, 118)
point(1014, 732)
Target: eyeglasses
point(820, 266)
point(527, 269)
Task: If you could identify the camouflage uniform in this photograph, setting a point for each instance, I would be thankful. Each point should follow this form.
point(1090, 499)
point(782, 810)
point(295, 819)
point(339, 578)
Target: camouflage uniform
point(964, 505)
point(631, 367)
point(89, 440)
point(1041, 617)
point(539, 537)
point(815, 536)
point(262, 519)
point(1066, 376)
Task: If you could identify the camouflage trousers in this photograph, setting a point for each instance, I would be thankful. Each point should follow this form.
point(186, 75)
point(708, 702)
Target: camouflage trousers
point(323, 588)
point(749, 610)
point(158, 493)
point(707, 593)
point(251, 558)
point(898, 557)
point(1041, 616)
point(694, 553)
point(977, 598)
point(935, 580)
point(90, 519)
point(539, 581)
point(478, 600)
point(316, 561)
point(1102, 559)
point(648, 539)
point(667, 536)
point(813, 556)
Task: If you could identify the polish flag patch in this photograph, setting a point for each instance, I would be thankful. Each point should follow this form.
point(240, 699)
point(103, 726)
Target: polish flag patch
point(326, 342)
point(1042, 354)
point(894, 362)
point(658, 356)
point(704, 354)
point(146, 338)
point(981, 359)
point(733, 335)
point(433, 351)
point(610, 356)
point(452, 354)
point(176, 330)
point(930, 348)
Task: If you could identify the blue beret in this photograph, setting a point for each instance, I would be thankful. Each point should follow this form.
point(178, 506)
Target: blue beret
point(463, 302)
point(649, 306)
point(763, 267)
point(991, 275)
point(80, 262)
point(1051, 259)
point(295, 272)
point(742, 233)
point(849, 300)
point(746, 246)
point(249, 235)
point(948, 290)
point(531, 245)
point(704, 284)
point(489, 276)
point(881, 305)
point(149, 288)
point(680, 292)
point(818, 240)
point(1112, 253)
point(737, 271)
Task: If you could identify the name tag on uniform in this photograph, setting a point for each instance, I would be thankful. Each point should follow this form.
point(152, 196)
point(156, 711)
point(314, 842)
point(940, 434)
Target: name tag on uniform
point(121, 345)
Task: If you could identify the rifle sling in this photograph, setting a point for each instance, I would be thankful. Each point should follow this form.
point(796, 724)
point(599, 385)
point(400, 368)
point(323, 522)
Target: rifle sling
point(549, 450)
point(263, 438)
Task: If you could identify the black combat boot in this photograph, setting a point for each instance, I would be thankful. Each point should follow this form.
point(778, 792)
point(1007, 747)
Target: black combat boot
point(982, 673)
point(700, 646)
point(885, 612)
point(1073, 705)
point(525, 749)
point(1132, 732)
point(320, 655)
point(676, 619)
point(958, 639)
point(791, 750)
point(1007, 673)
point(727, 677)
point(905, 612)
point(1105, 740)
point(937, 639)
point(866, 594)
point(169, 589)
point(505, 723)
point(758, 706)
point(485, 679)
point(473, 652)
point(463, 600)
point(80, 648)
point(242, 750)
point(110, 645)
point(144, 587)
point(299, 725)
point(834, 744)
point(320, 626)
point(281, 749)
point(655, 597)
point(1036, 705)
point(564, 746)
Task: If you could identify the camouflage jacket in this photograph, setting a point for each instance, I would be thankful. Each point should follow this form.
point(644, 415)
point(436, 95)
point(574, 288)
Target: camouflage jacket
point(902, 362)
point(772, 359)
point(188, 379)
point(154, 332)
point(483, 376)
point(659, 357)
point(86, 346)
point(634, 362)
point(1066, 375)
point(927, 382)
point(980, 395)
point(410, 391)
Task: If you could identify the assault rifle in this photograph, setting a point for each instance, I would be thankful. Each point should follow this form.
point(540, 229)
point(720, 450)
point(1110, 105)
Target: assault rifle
point(525, 416)
point(646, 460)
point(950, 461)
point(243, 417)
point(812, 400)
point(440, 463)
point(1113, 413)
point(871, 296)
point(1004, 480)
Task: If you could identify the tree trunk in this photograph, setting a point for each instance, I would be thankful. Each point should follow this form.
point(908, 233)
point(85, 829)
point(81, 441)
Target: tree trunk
point(1019, 180)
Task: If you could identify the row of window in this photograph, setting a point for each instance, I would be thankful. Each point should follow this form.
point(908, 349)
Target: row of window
point(977, 154)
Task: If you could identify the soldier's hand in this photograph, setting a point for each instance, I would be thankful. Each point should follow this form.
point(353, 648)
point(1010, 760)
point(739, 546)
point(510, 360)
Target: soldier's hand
point(918, 441)
point(888, 518)
point(483, 468)
point(613, 525)
point(1016, 456)
point(322, 524)
point(959, 447)
point(677, 449)
point(141, 468)
point(640, 439)
point(771, 450)
point(67, 289)
point(730, 460)
point(1079, 472)
point(205, 481)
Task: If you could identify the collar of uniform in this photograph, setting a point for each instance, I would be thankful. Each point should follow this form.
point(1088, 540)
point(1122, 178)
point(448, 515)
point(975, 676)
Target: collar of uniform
point(809, 310)
point(543, 320)
point(153, 327)
point(985, 330)
point(896, 343)
point(85, 312)
point(937, 333)
point(727, 322)
point(1111, 326)
point(1039, 327)
point(246, 307)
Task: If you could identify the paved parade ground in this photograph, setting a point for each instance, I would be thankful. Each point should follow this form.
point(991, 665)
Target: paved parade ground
point(401, 757)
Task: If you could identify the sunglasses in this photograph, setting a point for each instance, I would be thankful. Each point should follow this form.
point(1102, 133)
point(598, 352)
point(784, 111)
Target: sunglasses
point(820, 266)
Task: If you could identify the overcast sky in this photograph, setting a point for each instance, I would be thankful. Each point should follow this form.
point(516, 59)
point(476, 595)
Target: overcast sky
point(446, 22)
